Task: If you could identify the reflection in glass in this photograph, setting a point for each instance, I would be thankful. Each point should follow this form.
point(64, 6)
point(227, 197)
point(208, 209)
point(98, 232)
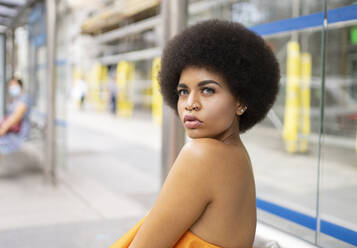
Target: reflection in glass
point(339, 154)
point(250, 12)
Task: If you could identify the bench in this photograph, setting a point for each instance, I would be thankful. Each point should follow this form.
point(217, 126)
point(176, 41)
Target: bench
point(31, 150)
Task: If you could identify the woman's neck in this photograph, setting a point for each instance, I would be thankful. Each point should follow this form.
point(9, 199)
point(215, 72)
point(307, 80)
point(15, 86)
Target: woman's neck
point(231, 136)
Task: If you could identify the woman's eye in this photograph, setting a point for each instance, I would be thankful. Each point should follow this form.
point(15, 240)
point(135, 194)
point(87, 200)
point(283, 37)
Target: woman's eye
point(208, 91)
point(182, 92)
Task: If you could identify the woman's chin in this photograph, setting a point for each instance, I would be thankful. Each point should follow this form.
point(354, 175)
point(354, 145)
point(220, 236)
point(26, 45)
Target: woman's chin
point(196, 134)
point(192, 133)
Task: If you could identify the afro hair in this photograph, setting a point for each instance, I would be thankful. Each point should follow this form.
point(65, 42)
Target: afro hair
point(239, 55)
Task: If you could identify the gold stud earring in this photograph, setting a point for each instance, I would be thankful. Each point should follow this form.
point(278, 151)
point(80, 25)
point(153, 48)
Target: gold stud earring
point(243, 109)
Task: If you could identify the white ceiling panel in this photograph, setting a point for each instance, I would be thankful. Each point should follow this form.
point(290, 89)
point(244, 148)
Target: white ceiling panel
point(13, 2)
point(11, 11)
point(6, 11)
point(4, 21)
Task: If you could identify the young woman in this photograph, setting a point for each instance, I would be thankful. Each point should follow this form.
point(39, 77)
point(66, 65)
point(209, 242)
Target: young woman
point(222, 79)
point(15, 128)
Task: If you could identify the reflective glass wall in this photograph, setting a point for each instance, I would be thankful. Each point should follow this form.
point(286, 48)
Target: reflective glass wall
point(34, 72)
point(338, 177)
point(304, 153)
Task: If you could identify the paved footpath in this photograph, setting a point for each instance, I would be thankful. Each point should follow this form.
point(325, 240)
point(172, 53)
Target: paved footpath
point(110, 180)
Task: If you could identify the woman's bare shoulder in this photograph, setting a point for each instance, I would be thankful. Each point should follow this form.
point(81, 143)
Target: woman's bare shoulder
point(221, 160)
point(204, 146)
point(198, 154)
point(213, 150)
point(215, 157)
point(202, 152)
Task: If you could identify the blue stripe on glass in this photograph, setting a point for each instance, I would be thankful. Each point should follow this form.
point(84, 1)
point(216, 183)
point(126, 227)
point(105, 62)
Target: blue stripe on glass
point(292, 24)
point(342, 14)
point(286, 213)
point(339, 232)
point(326, 227)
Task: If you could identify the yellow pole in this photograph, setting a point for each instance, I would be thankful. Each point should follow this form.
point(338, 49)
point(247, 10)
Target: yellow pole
point(103, 94)
point(305, 101)
point(125, 75)
point(77, 74)
point(95, 87)
point(291, 116)
point(92, 87)
point(156, 94)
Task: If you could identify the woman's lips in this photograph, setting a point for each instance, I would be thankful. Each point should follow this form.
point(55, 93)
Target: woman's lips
point(192, 124)
point(191, 121)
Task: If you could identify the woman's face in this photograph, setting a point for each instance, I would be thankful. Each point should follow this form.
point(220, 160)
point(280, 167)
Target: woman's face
point(206, 106)
point(14, 88)
point(13, 82)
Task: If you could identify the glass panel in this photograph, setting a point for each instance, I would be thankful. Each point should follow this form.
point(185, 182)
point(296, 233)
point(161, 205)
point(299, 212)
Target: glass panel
point(286, 166)
point(36, 76)
point(251, 12)
point(338, 198)
point(39, 86)
point(63, 80)
point(2, 75)
point(61, 122)
point(332, 4)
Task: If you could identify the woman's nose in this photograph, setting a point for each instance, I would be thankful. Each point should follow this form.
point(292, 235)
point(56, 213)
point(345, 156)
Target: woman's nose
point(193, 102)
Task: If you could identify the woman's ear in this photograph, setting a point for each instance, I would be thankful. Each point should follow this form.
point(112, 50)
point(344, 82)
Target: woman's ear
point(240, 108)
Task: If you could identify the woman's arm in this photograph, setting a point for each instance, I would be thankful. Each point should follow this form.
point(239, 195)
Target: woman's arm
point(183, 198)
point(16, 116)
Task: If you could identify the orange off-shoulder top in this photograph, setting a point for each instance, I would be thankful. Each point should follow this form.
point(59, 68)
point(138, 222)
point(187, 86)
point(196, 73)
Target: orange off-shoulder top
point(188, 239)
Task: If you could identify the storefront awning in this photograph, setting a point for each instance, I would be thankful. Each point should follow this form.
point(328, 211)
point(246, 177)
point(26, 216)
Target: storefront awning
point(121, 13)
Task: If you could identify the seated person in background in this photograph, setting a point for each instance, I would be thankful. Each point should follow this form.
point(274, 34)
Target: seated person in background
point(15, 127)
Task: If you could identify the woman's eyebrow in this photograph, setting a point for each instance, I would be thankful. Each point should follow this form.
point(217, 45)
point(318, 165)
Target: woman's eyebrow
point(182, 85)
point(205, 82)
point(200, 84)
